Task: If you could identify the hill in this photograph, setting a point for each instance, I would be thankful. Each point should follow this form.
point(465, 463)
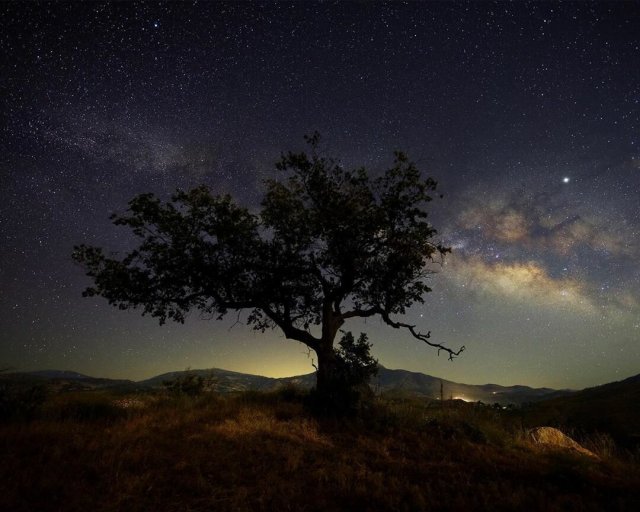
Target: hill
point(420, 384)
point(65, 380)
point(612, 408)
point(224, 381)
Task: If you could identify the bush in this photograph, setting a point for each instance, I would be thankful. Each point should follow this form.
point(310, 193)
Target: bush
point(85, 406)
point(349, 391)
point(290, 392)
point(20, 401)
point(189, 384)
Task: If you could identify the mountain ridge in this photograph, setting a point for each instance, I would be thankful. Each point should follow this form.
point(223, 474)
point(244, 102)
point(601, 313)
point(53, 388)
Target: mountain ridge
point(388, 380)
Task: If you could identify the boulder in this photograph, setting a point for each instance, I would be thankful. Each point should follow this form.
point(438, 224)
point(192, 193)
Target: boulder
point(550, 437)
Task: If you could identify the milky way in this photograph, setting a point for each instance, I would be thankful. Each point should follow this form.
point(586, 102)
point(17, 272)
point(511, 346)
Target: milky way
point(527, 114)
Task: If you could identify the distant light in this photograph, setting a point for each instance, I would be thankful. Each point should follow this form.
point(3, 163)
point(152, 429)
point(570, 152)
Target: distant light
point(566, 179)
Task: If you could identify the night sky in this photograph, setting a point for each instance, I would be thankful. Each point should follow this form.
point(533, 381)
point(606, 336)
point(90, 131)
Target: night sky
point(527, 114)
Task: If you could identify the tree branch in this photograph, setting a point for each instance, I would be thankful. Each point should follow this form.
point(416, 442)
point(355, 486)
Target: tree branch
point(226, 304)
point(290, 331)
point(361, 313)
point(420, 336)
point(364, 313)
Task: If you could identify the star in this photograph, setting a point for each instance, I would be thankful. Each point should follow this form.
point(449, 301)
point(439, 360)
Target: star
point(147, 111)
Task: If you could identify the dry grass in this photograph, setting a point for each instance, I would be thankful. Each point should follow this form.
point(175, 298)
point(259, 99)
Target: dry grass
point(256, 452)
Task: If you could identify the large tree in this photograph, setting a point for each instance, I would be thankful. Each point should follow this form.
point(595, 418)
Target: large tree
point(328, 245)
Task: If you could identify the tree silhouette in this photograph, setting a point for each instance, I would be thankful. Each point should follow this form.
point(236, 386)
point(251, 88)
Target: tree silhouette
point(328, 245)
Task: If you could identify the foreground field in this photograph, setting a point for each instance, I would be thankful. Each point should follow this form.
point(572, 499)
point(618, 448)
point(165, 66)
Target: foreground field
point(98, 452)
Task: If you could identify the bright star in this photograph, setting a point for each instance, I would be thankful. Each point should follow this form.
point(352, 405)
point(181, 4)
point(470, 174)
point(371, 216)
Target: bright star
point(565, 180)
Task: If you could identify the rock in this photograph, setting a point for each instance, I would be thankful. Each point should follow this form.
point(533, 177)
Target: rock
point(550, 437)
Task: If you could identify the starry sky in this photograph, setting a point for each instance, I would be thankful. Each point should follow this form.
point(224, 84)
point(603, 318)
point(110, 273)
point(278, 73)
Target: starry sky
point(527, 114)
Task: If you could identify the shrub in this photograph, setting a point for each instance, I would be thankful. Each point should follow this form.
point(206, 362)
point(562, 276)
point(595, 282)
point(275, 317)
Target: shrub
point(85, 406)
point(20, 401)
point(189, 384)
point(349, 391)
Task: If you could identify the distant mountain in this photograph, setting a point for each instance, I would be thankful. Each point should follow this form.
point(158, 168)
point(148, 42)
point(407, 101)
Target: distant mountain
point(59, 374)
point(387, 381)
point(229, 381)
point(613, 408)
point(224, 380)
point(427, 386)
point(65, 380)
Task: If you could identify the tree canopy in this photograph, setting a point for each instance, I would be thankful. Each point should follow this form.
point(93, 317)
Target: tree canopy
point(329, 244)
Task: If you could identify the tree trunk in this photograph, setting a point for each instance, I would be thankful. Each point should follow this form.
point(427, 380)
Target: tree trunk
point(325, 376)
point(328, 394)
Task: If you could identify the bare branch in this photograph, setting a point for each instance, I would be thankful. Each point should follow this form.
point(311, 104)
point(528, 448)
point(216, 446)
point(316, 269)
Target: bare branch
point(420, 336)
point(313, 363)
point(289, 330)
point(365, 313)
point(237, 322)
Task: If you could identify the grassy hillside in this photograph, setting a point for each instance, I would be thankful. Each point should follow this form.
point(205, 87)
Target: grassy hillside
point(255, 451)
point(613, 408)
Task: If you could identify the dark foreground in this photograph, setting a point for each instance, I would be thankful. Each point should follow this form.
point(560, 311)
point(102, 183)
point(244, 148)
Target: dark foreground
point(251, 452)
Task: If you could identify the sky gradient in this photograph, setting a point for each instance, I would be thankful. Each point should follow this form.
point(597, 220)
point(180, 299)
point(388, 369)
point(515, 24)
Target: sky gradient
point(527, 114)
